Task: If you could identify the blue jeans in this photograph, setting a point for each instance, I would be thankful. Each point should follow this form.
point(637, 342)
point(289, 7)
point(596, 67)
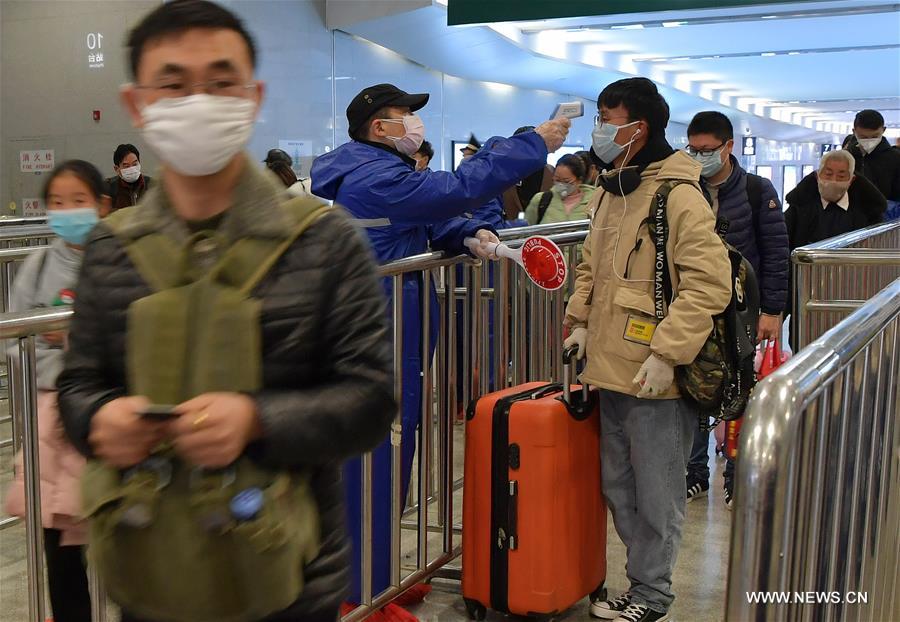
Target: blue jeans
point(645, 447)
point(698, 467)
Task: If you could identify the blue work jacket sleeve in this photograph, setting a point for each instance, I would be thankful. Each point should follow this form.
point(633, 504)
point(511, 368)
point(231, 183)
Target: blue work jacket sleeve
point(448, 236)
point(430, 197)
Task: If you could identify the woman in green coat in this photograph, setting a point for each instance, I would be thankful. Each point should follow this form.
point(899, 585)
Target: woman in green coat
point(567, 200)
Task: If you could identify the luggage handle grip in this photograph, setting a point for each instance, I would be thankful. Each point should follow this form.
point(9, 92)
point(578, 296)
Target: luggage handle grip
point(569, 363)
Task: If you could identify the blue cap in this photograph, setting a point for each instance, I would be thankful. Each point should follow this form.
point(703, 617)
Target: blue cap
point(246, 504)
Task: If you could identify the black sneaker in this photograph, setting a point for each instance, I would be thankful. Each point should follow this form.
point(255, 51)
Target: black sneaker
point(696, 487)
point(729, 493)
point(640, 613)
point(610, 609)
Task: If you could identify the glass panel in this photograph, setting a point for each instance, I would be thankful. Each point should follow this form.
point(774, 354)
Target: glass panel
point(788, 179)
point(764, 171)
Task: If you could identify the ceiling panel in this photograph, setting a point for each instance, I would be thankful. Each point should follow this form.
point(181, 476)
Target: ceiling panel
point(833, 67)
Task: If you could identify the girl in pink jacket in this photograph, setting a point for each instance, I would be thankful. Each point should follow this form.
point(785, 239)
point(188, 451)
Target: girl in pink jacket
point(75, 198)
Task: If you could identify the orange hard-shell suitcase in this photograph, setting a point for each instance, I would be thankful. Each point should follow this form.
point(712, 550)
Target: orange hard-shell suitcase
point(534, 517)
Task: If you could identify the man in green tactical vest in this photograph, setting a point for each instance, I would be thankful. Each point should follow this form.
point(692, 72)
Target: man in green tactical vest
point(228, 350)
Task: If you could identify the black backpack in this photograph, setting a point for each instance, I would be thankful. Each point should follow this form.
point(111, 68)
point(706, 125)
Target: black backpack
point(719, 380)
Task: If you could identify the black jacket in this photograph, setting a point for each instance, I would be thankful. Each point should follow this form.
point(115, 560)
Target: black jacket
point(327, 393)
point(758, 232)
point(881, 167)
point(804, 210)
point(122, 194)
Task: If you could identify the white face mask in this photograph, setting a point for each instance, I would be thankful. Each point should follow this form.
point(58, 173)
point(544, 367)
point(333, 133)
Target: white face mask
point(131, 174)
point(868, 144)
point(199, 134)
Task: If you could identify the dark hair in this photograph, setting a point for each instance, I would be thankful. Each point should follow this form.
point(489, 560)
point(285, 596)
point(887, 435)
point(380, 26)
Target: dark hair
point(85, 171)
point(177, 16)
point(641, 99)
point(284, 172)
point(586, 158)
point(869, 120)
point(122, 152)
point(426, 150)
point(574, 163)
point(523, 129)
point(711, 122)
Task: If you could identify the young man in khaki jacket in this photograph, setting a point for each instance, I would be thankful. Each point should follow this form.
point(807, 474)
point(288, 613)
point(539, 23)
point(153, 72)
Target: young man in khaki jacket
point(647, 428)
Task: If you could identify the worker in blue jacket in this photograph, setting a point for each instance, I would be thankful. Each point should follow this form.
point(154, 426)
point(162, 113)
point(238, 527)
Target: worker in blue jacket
point(374, 178)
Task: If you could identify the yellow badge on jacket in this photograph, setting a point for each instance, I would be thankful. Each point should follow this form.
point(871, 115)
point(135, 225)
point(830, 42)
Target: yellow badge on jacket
point(639, 329)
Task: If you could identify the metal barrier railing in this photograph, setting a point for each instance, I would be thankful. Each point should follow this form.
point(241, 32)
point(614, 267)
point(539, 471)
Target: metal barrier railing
point(835, 276)
point(817, 511)
point(476, 299)
point(13, 221)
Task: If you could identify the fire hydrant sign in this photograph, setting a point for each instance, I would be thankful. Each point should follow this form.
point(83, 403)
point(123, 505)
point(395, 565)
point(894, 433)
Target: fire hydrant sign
point(33, 207)
point(36, 161)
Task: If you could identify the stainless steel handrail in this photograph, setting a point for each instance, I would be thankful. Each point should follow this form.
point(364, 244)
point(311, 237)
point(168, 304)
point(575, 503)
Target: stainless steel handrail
point(545, 230)
point(793, 530)
point(847, 256)
point(25, 231)
point(849, 267)
point(848, 240)
point(6, 221)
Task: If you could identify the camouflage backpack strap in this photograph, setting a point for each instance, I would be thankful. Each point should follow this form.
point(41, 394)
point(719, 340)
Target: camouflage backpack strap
point(157, 258)
point(248, 260)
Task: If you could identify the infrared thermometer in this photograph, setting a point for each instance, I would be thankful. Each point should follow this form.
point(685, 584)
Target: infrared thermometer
point(568, 110)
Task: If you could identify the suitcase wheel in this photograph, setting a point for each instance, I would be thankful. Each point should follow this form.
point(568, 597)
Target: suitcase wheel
point(599, 594)
point(475, 609)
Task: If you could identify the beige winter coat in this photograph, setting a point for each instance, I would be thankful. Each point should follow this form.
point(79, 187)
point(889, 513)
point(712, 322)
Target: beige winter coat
point(618, 312)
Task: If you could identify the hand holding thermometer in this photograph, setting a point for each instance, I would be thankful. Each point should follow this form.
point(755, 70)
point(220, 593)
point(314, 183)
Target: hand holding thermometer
point(542, 259)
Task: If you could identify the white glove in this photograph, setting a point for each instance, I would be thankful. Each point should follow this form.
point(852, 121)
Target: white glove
point(554, 133)
point(654, 377)
point(577, 338)
point(487, 244)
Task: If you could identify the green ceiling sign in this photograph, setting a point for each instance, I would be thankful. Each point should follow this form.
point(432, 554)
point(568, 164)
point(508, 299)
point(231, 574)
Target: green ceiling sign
point(481, 11)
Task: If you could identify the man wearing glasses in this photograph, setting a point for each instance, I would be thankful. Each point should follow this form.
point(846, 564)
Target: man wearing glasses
point(317, 388)
point(647, 429)
point(755, 228)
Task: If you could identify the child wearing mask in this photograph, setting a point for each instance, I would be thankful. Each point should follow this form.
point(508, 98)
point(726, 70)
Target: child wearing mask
point(74, 194)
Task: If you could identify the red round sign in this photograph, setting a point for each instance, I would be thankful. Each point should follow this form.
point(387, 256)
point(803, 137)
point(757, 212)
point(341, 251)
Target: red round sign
point(544, 262)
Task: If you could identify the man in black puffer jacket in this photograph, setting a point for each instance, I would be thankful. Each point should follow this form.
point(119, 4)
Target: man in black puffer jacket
point(875, 159)
point(326, 392)
point(756, 228)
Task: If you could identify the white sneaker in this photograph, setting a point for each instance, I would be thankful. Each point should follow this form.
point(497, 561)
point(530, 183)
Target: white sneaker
point(640, 613)
point(610, 609)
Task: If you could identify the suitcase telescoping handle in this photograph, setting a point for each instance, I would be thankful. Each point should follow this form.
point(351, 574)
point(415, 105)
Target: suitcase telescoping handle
point(579, 408)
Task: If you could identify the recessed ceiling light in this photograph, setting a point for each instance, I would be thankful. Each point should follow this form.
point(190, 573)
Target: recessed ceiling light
point(793, 53)
point(628, 27)
point(768, 54)
point(673, 24)
point(682, 58)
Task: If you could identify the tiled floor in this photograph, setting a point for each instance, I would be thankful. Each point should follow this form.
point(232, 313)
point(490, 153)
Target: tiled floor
point(698, 582)
point(699, 578)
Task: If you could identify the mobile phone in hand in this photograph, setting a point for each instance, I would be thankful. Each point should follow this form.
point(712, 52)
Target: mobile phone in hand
point(158, 412)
